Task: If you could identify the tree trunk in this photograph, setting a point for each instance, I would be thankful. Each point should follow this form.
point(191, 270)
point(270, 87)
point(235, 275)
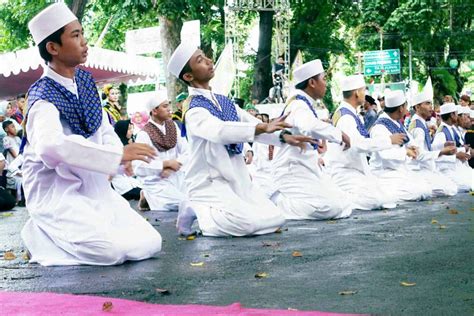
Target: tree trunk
point(78, 7)
point(170, 39)
point(262, 81)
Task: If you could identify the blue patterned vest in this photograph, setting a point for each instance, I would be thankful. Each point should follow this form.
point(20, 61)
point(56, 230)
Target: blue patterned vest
point(392, 127)
point(456, 138)
point(228, 114)
point(416, 123)
point(447, 133)
point(360, 126)
point(305, 100)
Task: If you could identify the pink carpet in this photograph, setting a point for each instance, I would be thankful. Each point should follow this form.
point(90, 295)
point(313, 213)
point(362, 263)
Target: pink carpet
point(15, 303)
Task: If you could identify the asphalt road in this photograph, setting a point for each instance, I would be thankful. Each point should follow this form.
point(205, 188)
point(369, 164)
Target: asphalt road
point(428, 245)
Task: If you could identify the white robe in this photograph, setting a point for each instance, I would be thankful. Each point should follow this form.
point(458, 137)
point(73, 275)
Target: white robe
point(390, 166)
point(304, 191)
point(350, 168)
point(459, 172)
point(76, 216)
point(162, 194)
point(440, 184)
point(261, 168)
point(123, 183)
point(220, 191)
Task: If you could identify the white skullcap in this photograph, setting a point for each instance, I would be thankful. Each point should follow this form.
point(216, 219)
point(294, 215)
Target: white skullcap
point(308, 70)
point(180, 57)
point(49, 21)
point(447, 108)
point(155, 100)
point(353, 82)
point(426, 95)
point(471, 114)
point(463, 109)
point(394, 98)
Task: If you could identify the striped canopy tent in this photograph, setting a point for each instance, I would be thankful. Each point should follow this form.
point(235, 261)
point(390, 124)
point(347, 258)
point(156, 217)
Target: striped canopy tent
point(20, 69)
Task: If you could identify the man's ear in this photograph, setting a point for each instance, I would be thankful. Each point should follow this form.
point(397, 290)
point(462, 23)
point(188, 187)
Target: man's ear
point(52, 48)
point(188, 77)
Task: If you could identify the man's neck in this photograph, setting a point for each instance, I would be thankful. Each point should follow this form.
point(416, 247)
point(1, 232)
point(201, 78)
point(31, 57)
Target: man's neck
point(353, 103)
point(62, 69)
point(157, 121)
point(201, 85)
point(448, 122)
point(419, 115)
point(394, 116)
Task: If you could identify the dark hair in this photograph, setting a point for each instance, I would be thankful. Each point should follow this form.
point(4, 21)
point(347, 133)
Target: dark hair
point(446, 116)
point(304, 84)
point(465, 98)
point(121, 129)
point(347, 94)
point(55, 38)
point(5, 124)
point(392, 110)
point(20, 96)
point(186, 68)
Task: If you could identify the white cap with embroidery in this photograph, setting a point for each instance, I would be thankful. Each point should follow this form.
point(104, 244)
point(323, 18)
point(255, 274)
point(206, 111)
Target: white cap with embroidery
point(447, 108)
point(394, 98)
point(308, 70)
point(180, 57)
point(49, 21)
point(353, 82)
point(156, 99)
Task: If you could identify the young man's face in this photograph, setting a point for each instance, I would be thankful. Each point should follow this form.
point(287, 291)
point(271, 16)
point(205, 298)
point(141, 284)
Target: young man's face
point(424, 110)
point(320, 86)
point(162, 112)
point(202, 67)
point(73, 50)
point(10, 129)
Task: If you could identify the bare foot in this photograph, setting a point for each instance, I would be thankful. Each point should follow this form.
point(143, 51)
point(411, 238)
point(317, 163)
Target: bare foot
point(142, 203)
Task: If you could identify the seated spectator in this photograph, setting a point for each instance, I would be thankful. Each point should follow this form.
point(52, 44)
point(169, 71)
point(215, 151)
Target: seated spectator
point(127, 186)
point(7, 201)
point(11, 145)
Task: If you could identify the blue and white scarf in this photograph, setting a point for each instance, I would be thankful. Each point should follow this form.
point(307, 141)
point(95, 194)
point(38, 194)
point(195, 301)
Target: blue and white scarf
point(228, 114)
point(428, 140)
point(393, 128)
point(360, 126)
point(83, 114)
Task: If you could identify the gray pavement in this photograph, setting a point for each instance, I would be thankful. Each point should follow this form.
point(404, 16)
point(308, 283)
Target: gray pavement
point(369, 255)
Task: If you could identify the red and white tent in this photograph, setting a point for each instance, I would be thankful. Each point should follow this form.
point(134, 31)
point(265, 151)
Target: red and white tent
point(20, 69)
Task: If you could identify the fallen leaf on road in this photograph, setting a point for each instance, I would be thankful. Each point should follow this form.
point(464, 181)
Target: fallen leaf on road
point(297, 254)
point(107, 306)
point(163, 291)
point(429, 202)
point(7, 214)
point(191, 237)
point(453, 212)
point(261, 275)
point(433, 221)
point(206, 255)
point(9, 255)
point(331, 222)
point(181, 238)
point(407, 283)
point(442, 226)
point(347, 292)
point(197, 264)
point(26, 256)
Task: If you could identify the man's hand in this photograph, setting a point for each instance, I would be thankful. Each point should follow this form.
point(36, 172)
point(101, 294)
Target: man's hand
point(138, 151)
point(299, 141)
point(275, 125)
point(174, 165)
point(165, 173)
point(248, 157)
point(412, 152)
point(397, 139)
point(449, 144)
point(447, 151)
point(462, 156)
point(322, 146)
point(128, 169)
point(346, 140)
